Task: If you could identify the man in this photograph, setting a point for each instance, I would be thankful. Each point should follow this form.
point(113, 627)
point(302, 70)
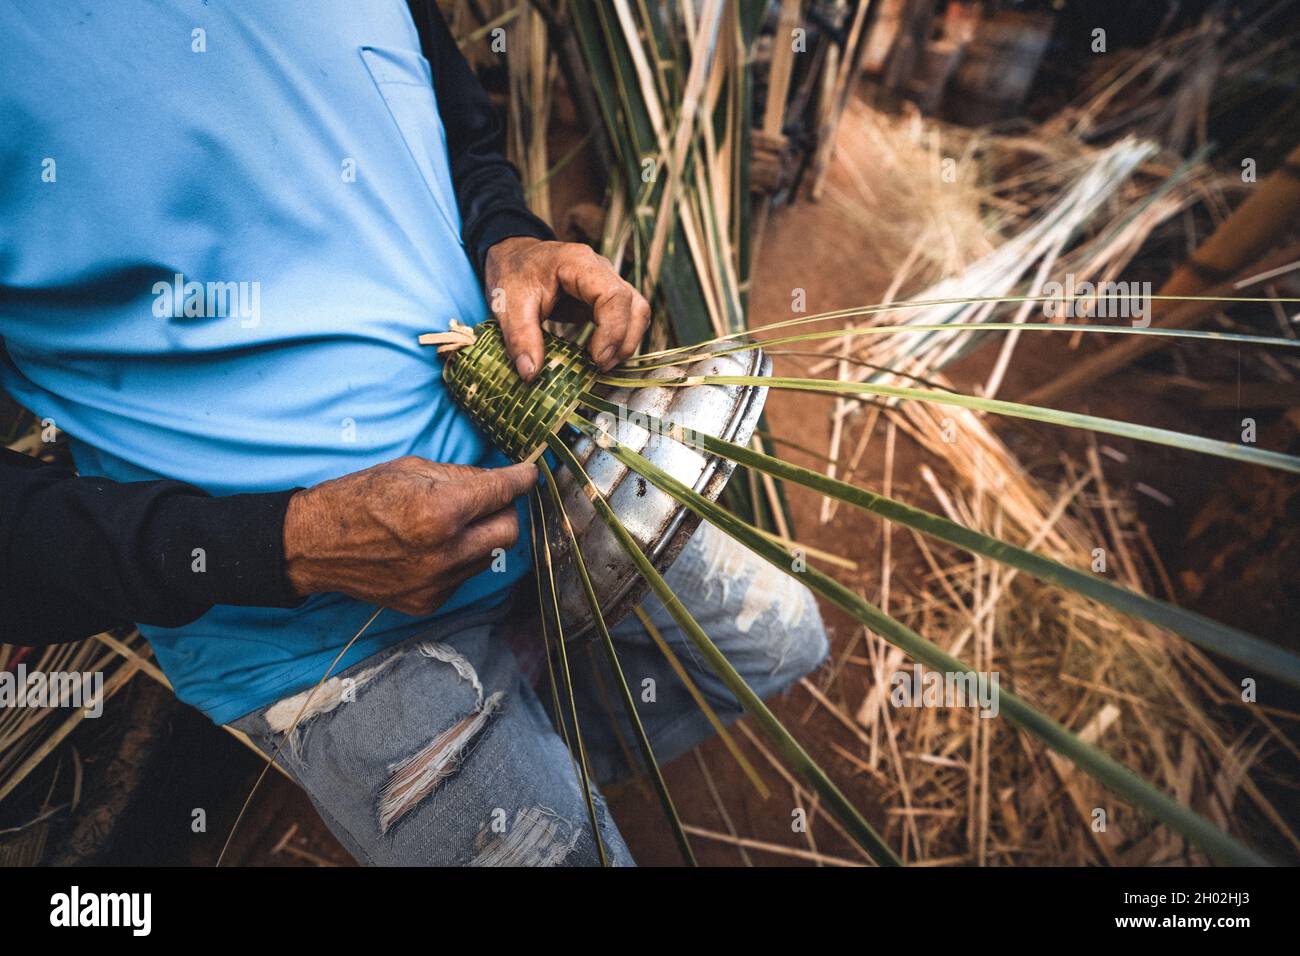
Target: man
point(223, 231)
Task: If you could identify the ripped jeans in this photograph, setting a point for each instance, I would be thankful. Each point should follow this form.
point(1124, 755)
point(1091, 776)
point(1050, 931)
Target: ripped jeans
point(442, 752)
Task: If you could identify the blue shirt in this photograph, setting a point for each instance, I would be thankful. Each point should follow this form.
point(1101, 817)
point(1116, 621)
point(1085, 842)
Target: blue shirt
point(221, 232)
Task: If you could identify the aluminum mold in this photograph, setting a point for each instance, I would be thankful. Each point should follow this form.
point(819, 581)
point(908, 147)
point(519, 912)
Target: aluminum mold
point(658, 523)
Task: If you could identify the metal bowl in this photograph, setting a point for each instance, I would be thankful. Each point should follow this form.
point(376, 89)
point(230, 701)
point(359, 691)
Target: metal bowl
point(660, 525)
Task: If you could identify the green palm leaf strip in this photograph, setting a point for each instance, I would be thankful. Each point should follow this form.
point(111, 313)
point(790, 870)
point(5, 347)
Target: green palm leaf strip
point(976, 327)
point(918, 304)
point(780, 738)
point(534, 502)
point(583, 772)
point(643, 741)
point(700, 701)
point(1036, 413)
point(1114, 775)
point(1203, 632)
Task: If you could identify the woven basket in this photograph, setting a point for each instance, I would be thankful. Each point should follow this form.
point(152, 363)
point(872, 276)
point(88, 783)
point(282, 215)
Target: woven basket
point(517, 416)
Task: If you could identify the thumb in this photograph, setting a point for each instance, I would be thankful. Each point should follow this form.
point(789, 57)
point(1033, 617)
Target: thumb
point(495, 488)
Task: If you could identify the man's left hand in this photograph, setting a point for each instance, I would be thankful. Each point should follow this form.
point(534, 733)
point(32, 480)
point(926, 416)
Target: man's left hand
point(530, 280)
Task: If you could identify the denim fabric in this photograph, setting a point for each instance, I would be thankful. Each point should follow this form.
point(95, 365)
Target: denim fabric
point(514, 797)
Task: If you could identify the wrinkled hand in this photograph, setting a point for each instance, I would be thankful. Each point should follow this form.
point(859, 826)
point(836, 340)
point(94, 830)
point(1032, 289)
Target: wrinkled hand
point(529, 280)
point(404, 534)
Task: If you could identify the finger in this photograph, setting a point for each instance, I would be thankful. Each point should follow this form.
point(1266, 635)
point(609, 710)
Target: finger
point(426, 600)
point(613, 319)
point(521, 326)
point(480, 541)
point(465, 572)
point(636, 328)
point(418, 603)
point(463, 558)
point(491, 490)
point(448, 581)
point(592, 279)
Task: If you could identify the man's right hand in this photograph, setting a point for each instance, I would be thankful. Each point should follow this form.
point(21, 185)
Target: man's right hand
point(404, 534)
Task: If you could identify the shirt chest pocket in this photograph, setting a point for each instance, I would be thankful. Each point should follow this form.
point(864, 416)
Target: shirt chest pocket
point(405, 83)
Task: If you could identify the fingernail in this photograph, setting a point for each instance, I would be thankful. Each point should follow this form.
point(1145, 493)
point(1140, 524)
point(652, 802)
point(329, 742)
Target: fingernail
point(605, 356)
point(525, 366)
